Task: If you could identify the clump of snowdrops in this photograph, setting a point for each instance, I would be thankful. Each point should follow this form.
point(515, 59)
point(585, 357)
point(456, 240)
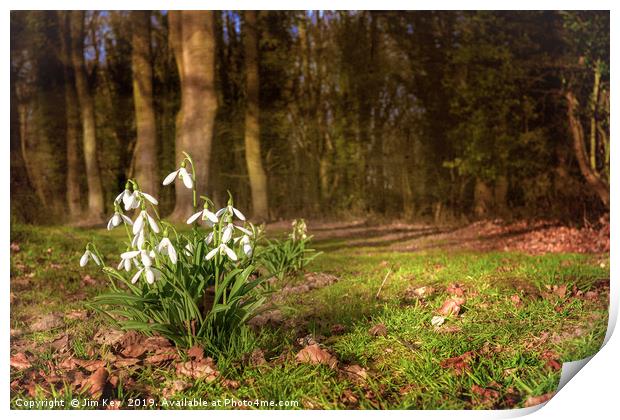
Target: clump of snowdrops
point(288, 257)
point(191, 287)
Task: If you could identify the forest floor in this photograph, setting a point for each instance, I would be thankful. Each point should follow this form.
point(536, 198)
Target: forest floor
point(518, 300)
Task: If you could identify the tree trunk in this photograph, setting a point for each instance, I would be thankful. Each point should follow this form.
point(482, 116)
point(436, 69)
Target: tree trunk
point(256, 172)
point(145, 152)
point(192, 35)
point(483, 197)
point(96, 205)
point(74, 193)
point(591, 177)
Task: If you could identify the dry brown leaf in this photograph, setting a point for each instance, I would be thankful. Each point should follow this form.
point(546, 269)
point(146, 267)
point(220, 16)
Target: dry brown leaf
point(455, 289)
point(451, 306)
point(230, 384)
point(538, 399)
point(132, 344)
point(175, 387)
point(61, 344)
point(156, 342)
point(257, 358)
point(355, 373)
point(96, 382)
point(315, 355)
point(338, 329)
point(77, 314)
point(197, 353)
point(107, 336)
point(15, 247)
point(516, 300)
point(348, 397)
point(126, 362)
point(46, 323)
point(460, 364)
point(162, 355)
point(204, 369)
point(484, 396)
point(90, 365)
point(378, 330)
point(20, 361)
point(88, 281)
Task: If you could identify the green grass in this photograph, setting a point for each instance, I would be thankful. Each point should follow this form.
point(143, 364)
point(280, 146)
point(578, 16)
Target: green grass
point(403, 367)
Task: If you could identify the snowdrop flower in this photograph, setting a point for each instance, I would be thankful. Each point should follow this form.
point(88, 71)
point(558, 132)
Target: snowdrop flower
point(227, 235)
point(189, 250)
point(222, 249)
point(88, 255)
point(126, 258)
point(165, 247)
point(209, 238)
point(247, 247)
point(183, 175)
point(138, 240)
point(146, 257)
point(244, 230)
point(116, 220)
point(149, 198)
point(232, 211)
point(206, 215)
point(150, 273)
point(140, 222)
point(127, 197)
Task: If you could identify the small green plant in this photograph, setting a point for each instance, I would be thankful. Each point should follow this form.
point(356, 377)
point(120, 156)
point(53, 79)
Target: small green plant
point(196, 287)
point(290, 256)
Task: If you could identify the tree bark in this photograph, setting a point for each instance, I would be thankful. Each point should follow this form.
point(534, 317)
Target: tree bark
point(96, 205)
point(74, 193)
point(256, 172)
point(192, 35)
point(591, 177)
point(145, 152)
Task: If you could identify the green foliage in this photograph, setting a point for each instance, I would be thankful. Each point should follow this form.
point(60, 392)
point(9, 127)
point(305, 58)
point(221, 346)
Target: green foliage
point(288, 257)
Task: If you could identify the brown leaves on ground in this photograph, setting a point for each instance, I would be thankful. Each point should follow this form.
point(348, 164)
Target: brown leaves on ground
point(256, 358)
point(354, 373)
point(20, 361)
point(539, 399)
point(378, 330)
point(175, 387)
point(552, 360)
point(96, 382)
point(484, 397)
point(338, 329)
point(451, 306)
point(456, 289)
point(315, 355)
point(203, 368)
point(460, 364)
point(46, 322)
point(516, 300)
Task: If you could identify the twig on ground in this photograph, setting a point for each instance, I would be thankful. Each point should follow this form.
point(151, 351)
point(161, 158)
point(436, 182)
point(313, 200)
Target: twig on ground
point(383, 282)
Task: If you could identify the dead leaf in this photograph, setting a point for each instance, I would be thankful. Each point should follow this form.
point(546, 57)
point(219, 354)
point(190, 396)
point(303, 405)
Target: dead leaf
point(88, 281)
point(76, 314)
point(162, 355)
point(132, 344)
point(484, 396)
point(230, 384)
point(46, 323)
point(460, 364)
point(437, 321)
point(551, 359)
point(90, 365)
point(156, 342)
point(348, 397)
point(455, 289)
point(451, 306)
point(197, 353)
point(96, 382)
point(338, 329)
point(204, 369)
point(516, 300)
point(257, 358)
point(15, 247)
point(314, 355)
point(356, 373)
point(175, 387)
point(20, 361)
point(107, 336)
point(539, 399)
point(122, 362)
point(378, 330)
point(61, 344)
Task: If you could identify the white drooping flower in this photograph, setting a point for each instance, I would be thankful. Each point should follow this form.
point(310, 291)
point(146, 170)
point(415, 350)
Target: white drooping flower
point(244, 230)
point(232, 211)
point(247, 247)
point(116, 220)
point(88, 255)
point(138, 240)
point(150, 273)
point(127, 197)
point(209, 238)
point(227, 234)
point(149, 198)
point(165, 247)
point(222, 249)
point(183, 175)
point(189, 249)
point(126, 258)
point(206, 215)
point(146, 257)
point(141, 221)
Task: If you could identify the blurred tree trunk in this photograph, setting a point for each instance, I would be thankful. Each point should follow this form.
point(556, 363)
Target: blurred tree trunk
point(483, 199)
point(192, 36)
point(145, 152)
point(74, 194)
point(256, 172)
point(591, 176)
point(96, 205)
